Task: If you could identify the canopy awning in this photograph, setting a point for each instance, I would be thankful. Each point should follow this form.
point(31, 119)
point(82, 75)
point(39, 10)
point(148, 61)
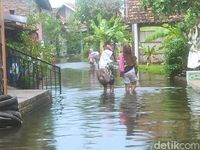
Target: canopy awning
point(14, 21)
point(15, 18)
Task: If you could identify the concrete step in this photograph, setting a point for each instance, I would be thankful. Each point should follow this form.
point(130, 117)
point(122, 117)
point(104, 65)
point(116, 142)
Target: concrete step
point(30, 100)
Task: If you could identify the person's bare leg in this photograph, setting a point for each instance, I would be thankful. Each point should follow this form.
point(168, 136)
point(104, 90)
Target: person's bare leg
point(133, 86)
point(112, 88)
point(105, 88)
point(127, 88)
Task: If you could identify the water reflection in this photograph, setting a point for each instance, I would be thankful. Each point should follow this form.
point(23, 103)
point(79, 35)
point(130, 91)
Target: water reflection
point(167, 115)
point(107, 102)
point(35, 133)
point(93, 78)
point(129, 109)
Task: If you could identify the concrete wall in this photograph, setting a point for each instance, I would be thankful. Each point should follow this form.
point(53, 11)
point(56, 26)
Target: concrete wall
point(159, 56)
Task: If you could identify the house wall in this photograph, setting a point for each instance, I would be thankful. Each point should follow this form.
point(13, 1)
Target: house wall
point(21, 7)
point(68, 12)
point(61, 11)
point(65, 12)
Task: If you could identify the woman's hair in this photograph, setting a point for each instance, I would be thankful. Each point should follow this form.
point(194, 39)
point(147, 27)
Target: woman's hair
point(128, 56)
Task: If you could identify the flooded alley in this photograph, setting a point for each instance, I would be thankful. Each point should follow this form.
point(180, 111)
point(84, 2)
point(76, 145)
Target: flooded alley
point(84, 118)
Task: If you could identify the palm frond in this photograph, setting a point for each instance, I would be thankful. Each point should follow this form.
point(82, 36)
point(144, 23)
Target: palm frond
point(159, 33)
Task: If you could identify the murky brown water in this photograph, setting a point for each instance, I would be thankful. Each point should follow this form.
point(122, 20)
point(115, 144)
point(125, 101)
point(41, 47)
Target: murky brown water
point(85, 118)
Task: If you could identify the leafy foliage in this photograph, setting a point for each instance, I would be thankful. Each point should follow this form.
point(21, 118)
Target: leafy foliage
point(73, 34)
point(175, 45)
point(176, 54)
point(99, 18)
point(159, 32)
point(32, 20)
point(189, 9)
point(149, 52)
point(110, 30)
point(176, 49)
point(87, 10)
point(175, 35)
point(27, 44)
point(169, 7)
point(168, 32)
point(52, 30)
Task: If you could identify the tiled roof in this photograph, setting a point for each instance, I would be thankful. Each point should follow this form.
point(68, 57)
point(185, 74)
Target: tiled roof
point(135, 14)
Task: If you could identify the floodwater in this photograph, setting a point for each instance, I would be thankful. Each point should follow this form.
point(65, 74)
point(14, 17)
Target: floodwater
point(83, 118)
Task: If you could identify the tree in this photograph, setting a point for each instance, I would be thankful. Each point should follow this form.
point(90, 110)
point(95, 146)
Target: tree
point(52, 29)
point(174, 45)
point(175, 35)
point(188, 9)
point(88, 10)
point(96, 30)
point(110, 30)
point(170, 7)
point(73, 33)
point(28, 44)
point(149, 52)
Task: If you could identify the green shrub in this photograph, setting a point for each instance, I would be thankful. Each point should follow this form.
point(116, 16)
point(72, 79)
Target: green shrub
point(176, 56)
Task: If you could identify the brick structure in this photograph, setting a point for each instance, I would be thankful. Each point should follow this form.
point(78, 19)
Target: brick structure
point(20, 7)
point(23, 7)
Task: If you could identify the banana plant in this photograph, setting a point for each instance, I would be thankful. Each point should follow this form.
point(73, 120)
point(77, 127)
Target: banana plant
point(110, 30)
point(168, 33)
point(149, 52)
point(175, 45)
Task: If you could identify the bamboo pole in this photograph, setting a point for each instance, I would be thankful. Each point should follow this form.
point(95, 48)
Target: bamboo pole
point(3, 47)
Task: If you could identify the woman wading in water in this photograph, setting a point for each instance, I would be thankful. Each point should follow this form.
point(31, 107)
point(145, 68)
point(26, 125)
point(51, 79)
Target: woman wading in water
point(105, 72)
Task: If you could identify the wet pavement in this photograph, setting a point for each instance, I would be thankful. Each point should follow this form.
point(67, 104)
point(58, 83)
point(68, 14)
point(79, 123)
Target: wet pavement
point(83, 117)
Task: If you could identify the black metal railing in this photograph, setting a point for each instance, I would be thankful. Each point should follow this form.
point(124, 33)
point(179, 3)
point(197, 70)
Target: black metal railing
point(28, 72)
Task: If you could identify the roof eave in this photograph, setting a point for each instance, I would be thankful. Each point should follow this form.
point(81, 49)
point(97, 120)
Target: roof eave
point(44, 4)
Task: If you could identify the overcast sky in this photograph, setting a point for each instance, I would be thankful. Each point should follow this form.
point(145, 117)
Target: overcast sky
point(57, 3)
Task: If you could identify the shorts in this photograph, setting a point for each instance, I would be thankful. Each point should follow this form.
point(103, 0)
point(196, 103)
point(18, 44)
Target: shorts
point(130, 76)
